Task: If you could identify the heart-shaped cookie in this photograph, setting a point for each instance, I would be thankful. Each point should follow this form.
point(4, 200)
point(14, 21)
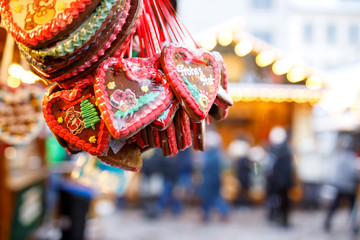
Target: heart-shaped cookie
point(73, 116)
point(168, 141)
point(219, 110)
point(20, 115)
point(166, 117)
point(127, 158)
point(153, 137)
point(182, 129)
point(194, 76)
point(131, 94)
point(198, 134)
point(37, 23)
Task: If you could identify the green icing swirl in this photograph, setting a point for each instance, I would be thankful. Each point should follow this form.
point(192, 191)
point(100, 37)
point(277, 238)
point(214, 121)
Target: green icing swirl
point(89, 114)
point(143, 100)
point(80, 36)
point(193, 90)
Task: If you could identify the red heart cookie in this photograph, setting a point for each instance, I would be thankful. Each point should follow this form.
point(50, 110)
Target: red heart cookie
point(182, 129)
point(37, 23)
point(73, 116)
point(131, 94)
point(194, 76)
point(166, 117)
point(168, 141)
point(219, 110)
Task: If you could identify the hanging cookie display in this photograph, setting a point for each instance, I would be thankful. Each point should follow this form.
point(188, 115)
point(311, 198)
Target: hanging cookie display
point(129, 98)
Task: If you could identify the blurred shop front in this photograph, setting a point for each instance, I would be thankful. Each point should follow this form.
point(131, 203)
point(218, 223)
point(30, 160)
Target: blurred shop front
point(268, 89)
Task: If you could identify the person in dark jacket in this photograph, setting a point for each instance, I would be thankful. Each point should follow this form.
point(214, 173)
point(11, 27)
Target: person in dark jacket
point(279, 177)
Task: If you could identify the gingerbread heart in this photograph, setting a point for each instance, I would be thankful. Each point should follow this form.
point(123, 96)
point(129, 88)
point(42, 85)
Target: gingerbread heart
point(164, 120)
point(20, 115)
point(182, 129)
point(73, 116)
point(198, 134)
point(127, 158)
point(131, 94)
point(194, 76)
point(37, 23)
point(168, 141)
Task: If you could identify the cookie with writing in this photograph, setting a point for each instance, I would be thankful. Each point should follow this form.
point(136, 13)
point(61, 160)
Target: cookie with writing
point(38, 23)
point(73, 115)
point(131, 94)
point(194, 76)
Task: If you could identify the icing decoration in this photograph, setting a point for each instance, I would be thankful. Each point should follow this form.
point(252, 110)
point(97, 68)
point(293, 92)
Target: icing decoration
point(145, 88)
point(194, 76)
point(143, 100)
point(127, 109)
point(75, 129)
point(92, 139)
point(89, 114)
point(73, 121)
point(34, 22)
point(77, 101)
point(60, 120)
point(111, 85)
point(78, 37)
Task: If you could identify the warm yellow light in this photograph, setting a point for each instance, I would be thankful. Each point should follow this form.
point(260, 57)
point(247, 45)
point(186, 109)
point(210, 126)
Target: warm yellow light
point(13, 82)
point(296, 74)
point(29, 77)
point(265, 58)
point(243, 48)
point(208, 42)
point(314, 82)
point(225, 38)
point(281, 67)
point(16, 70)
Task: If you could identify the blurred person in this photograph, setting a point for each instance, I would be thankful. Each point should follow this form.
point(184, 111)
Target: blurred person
point(239, 150)
point(176, 178)
point(210, 189)
point(279, 176)
point(345, 178)
point(151, 182)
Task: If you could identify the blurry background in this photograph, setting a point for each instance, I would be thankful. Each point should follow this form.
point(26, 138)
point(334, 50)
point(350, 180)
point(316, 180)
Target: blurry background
point(292, 65)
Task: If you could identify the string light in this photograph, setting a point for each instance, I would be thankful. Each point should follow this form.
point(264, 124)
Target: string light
point(296, 74)
point(13, 82)
point(243, 48)
point(225, 38)
point(314, 82)
point(281, 67)
point(265, 58)
point(29, 77)
point(208, 42)
point(16, 70)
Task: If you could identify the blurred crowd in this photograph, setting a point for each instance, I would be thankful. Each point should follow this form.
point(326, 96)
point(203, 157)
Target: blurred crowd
point(244, 176)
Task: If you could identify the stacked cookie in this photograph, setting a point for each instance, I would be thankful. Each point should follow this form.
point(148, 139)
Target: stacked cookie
point(65, 40)
point(108, 105)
